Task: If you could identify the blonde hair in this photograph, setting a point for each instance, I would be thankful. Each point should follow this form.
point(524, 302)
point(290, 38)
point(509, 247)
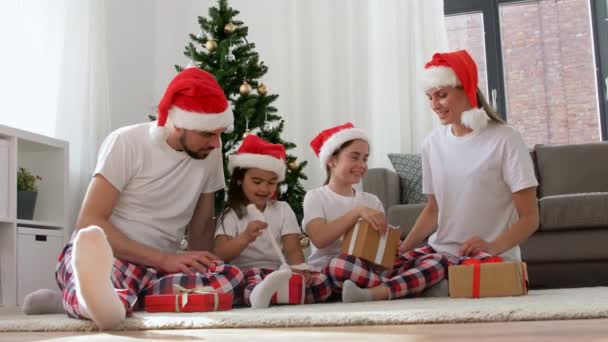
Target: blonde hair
point(482, 103)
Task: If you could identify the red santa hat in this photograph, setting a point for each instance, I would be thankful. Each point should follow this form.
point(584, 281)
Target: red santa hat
point(329, 140)
point(457, 69)
point(194, 100)
point(256, 152)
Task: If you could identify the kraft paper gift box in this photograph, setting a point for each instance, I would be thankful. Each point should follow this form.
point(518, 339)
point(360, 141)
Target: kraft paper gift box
point(189, 300)
point(494, 279)
point(364, 242)
point(293, 292)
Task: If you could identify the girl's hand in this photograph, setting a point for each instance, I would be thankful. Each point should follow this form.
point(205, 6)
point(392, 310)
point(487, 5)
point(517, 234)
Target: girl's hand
point(375, 217)
point(475, 245)
point(254, 229)
point(307, 276)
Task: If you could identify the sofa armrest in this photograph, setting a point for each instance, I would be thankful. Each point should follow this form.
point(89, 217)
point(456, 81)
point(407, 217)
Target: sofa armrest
point(385, 184)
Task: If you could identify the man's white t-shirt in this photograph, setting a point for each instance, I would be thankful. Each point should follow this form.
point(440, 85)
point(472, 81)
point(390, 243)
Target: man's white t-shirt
point(260, 253)
point(473, 178)
point(159, 186)
point(324, 203)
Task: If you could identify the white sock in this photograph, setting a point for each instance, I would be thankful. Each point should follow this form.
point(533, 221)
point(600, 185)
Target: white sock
point(43, 301)
point(92, 261)
point(262, 293)
point(352, 293)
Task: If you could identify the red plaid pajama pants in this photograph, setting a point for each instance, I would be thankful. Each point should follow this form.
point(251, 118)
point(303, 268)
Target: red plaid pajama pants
point(132, 281)
point(319, 290)
point(412, 273)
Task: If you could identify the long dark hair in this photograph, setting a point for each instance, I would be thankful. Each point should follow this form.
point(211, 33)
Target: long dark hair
point(335, 154)
point(236, 199)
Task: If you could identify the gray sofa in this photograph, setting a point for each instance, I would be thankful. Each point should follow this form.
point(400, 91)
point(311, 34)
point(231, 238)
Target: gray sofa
point(570, 249)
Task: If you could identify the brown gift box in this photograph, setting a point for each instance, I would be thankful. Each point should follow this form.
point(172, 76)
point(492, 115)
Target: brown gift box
point(498, 279)
point(369, 245)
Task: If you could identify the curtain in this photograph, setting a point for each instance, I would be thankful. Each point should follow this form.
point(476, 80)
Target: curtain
point(54, 78)
point(330, 62)
point(83, 111)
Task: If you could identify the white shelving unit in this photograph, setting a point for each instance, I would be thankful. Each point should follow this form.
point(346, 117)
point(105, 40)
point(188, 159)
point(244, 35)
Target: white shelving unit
point(29, 248)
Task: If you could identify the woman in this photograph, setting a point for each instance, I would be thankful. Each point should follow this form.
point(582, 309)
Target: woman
point(477, 171)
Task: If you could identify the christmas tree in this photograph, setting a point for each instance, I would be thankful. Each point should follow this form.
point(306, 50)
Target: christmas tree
point(223, 50)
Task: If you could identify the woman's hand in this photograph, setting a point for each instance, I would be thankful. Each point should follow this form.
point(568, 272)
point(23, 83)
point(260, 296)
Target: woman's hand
point(375, 217)
point(254, 229)
point(475, 245)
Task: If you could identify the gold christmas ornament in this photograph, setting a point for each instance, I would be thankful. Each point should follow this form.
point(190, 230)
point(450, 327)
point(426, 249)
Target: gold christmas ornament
point(304, 241)
point(245, 89)
point(229, 28)
point(211, 45)
point(293, 165)
point(262, 90)
point(247, 132)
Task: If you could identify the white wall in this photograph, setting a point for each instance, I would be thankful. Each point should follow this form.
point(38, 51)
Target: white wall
point(373, 53)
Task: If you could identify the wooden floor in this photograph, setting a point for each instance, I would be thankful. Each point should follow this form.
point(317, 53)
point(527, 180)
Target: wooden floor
point(574, 330)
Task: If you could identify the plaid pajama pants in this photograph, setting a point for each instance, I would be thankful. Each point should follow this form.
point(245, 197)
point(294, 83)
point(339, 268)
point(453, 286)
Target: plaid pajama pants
point(412, 273)
point(132, 281)
point(318, 291)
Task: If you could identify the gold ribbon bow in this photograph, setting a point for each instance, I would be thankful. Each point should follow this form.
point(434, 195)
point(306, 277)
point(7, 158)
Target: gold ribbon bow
point(184, 293)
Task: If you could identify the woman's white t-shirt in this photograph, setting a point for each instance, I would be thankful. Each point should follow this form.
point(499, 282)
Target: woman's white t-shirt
point(473, 178)
point(324, 203)
point(260, 253)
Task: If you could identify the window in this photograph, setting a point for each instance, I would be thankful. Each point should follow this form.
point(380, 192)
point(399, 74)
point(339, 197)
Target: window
point(543, 63)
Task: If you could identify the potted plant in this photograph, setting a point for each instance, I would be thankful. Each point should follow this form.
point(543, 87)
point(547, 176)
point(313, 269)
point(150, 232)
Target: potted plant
point(27, 191)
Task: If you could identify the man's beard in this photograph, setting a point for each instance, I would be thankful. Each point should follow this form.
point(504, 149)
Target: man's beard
point(191, 153)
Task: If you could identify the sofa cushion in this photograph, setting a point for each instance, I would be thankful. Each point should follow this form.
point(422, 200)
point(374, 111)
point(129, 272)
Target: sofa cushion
point(561, 212)
point(404, 216)
point(409, 168)
point(566, 246)
point(570, 169)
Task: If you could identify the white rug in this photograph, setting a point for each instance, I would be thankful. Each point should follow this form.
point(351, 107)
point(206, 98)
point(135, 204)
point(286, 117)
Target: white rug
point(579, 303)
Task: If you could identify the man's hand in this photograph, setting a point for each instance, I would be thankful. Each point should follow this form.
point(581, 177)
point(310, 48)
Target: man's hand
point(475, 245)
point(185, 262)
point(375, 217)
point(254, 229)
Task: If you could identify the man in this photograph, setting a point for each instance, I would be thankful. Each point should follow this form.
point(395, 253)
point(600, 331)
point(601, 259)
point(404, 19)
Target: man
point(151, 181)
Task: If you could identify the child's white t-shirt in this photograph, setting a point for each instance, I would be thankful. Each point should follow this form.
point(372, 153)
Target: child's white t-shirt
point(326, 204)
point(260, 253)
point(473, 178)
point(159, 186)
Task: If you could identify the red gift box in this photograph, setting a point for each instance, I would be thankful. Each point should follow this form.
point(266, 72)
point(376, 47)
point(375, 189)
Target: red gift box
point(201, 299)
point(293, 292)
